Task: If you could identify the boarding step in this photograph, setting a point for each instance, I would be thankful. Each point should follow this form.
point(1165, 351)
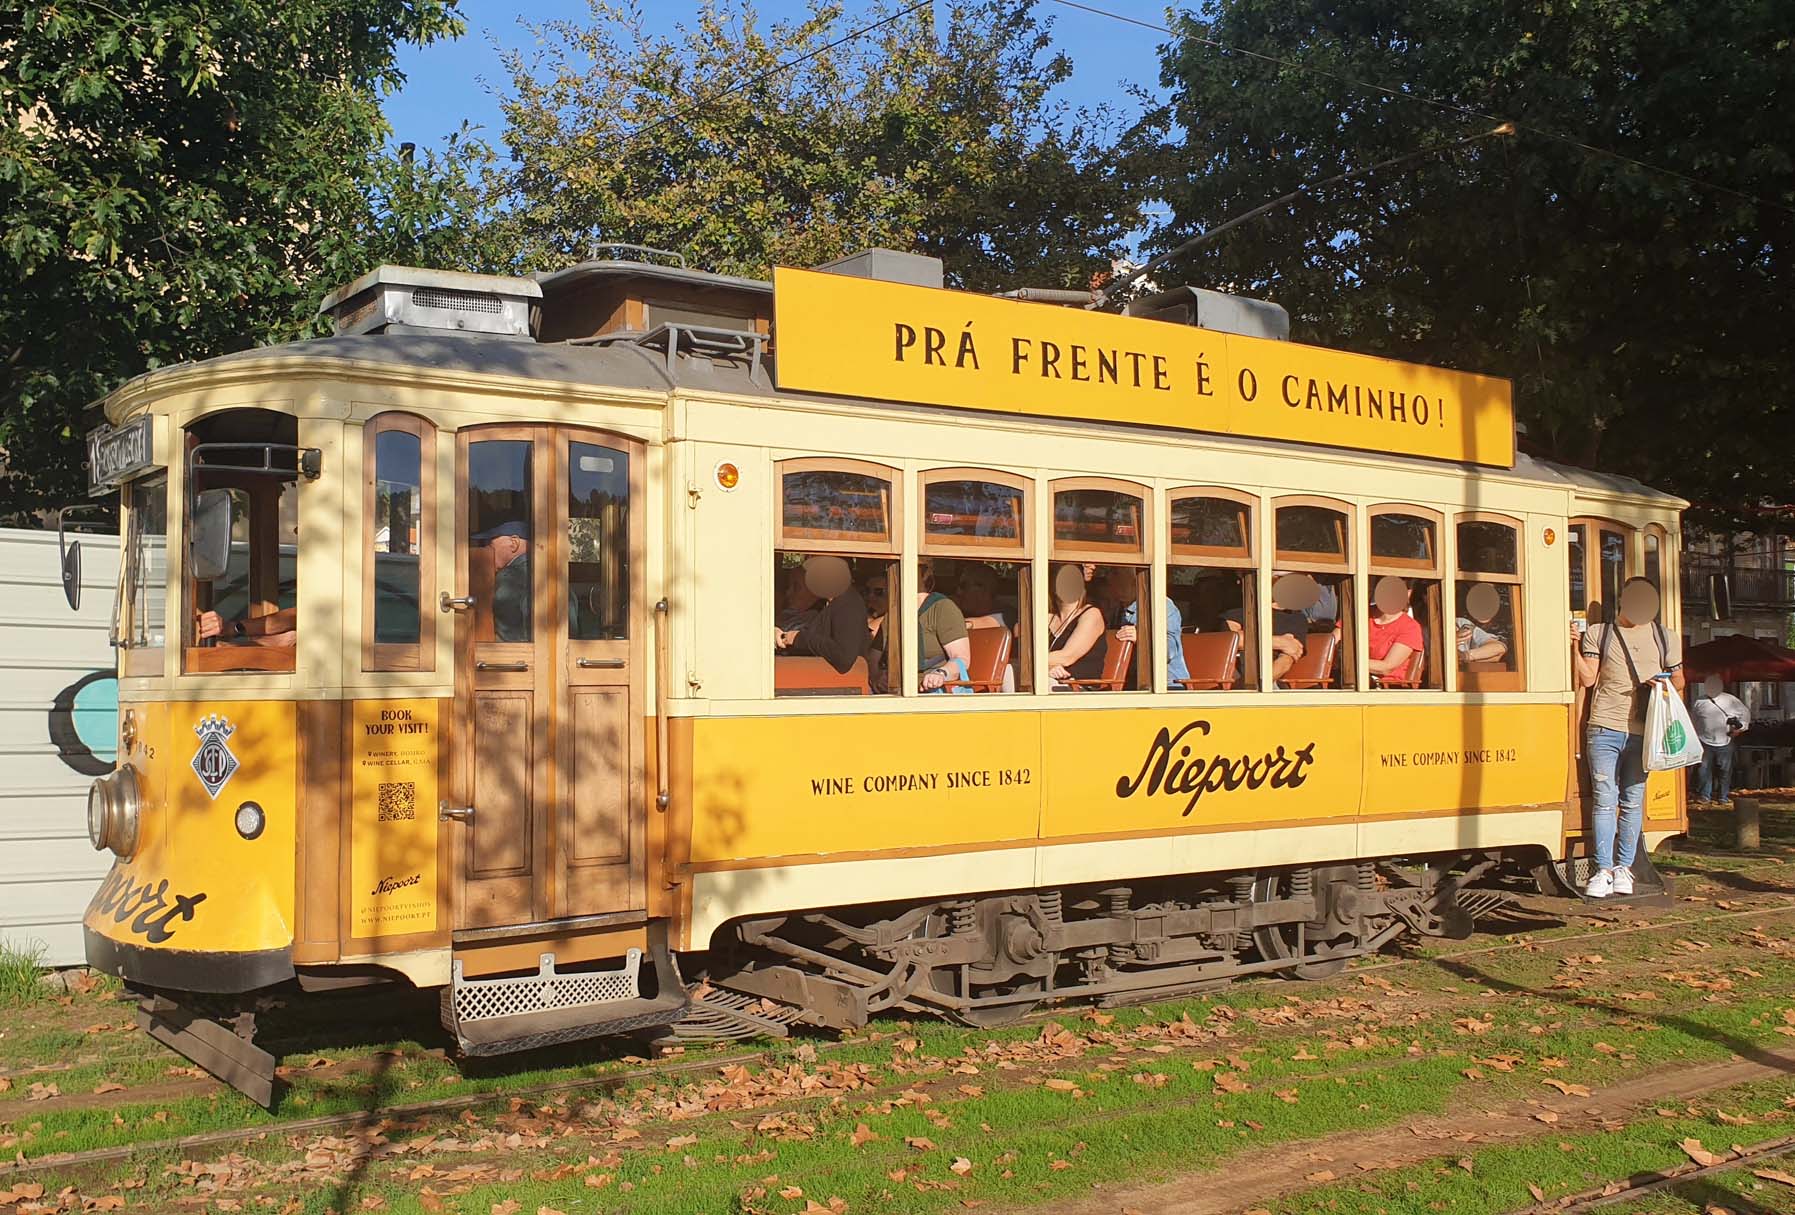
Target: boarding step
point(1567, 878)
point(525, 1012)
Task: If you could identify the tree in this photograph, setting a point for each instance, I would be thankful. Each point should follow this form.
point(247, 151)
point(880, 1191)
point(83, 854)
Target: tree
point(179, 180)
point(1645, 320)
point(944, 140)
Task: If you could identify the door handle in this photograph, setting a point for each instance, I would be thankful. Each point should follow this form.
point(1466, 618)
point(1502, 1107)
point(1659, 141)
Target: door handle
point(458, 814)
point(501, 666)
point(451, 603)
point(602, 664)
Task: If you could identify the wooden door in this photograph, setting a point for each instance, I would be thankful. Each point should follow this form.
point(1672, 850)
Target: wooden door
point(549, 732)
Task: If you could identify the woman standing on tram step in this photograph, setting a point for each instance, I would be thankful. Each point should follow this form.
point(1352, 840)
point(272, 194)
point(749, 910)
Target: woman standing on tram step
point(1074, 631)
point(1611, 659)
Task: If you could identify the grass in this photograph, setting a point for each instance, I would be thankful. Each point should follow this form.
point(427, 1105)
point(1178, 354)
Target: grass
point(21, 973)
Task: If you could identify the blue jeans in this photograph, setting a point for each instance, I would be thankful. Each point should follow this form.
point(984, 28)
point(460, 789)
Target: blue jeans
point(1715, 759)
point(1617, 770)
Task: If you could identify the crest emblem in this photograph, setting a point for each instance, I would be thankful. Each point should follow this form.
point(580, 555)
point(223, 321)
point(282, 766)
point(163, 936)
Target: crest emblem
point(213, 763)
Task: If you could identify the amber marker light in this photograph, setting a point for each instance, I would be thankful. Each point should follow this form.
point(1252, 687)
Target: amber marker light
point(728, 475)
point(1551, 537)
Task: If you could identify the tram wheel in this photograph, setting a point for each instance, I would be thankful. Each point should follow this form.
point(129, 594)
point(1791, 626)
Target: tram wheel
point(994, 1015)
point(1281, 942)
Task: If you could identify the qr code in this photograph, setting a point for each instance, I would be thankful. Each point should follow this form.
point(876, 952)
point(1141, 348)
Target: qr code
point(398, 800)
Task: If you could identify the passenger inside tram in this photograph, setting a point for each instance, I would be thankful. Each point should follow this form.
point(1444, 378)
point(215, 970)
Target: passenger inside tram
point(943, 653)
point(1480, 635)
point(1075, 632)
point(1289, 625)
point(1122, 586)
point(798, 606)
point(839, 634)
point(975, 594)
point(511, 589)
point(1394, 642)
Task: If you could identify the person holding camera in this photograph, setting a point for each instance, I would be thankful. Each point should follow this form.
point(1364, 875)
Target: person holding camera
point(1720, 717)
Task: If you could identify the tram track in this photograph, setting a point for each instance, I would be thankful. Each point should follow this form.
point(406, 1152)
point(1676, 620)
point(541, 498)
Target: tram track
point(1665, 1179)
point(354, 1119)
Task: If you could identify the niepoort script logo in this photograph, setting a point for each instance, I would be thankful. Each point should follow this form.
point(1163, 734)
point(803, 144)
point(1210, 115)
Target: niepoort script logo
point(1170, 768)
point(213, 763)
point(390, 885)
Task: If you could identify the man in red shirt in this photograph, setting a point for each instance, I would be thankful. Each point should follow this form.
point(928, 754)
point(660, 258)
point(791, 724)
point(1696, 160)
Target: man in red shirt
point(1394, 636)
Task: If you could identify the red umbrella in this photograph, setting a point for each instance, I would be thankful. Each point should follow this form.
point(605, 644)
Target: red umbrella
point(1738, 657)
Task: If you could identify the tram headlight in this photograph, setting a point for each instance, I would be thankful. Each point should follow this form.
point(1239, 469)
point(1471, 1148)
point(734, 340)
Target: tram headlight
point(114, 812)
point(250, 820)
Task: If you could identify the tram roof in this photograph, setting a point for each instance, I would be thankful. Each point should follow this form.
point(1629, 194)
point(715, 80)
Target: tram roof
point(627, 364)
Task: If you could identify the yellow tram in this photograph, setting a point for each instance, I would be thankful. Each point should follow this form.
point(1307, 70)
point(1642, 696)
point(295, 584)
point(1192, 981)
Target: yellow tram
point(456, 649)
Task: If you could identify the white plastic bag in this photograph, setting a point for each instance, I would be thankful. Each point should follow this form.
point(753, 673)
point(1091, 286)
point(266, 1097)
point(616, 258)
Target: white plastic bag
point(1670, 740)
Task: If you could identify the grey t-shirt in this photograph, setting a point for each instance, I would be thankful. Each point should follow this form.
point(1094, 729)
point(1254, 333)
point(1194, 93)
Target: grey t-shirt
point(1617, 701)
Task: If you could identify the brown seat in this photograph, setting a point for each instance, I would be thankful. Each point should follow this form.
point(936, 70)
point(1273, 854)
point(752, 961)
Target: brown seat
point(1118, 660)
point(990, 655)
point(1408, 677)
point(1315, 669)
point(808, 675)
point(1212, 659)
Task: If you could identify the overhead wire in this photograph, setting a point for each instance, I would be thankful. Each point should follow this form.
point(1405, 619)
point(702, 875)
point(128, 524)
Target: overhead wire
point(1425, 99)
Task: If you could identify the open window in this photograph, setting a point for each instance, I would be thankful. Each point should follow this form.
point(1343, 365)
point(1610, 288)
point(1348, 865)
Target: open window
point(1100, 615)
point(1314, 536)
point(1405, 558)
point(244, 468)
point(835, 579)
point(399, 562)
point(1487, 634)
point(144, 630)
point(976, 551)
point(1211, 580)
point(1601, 561)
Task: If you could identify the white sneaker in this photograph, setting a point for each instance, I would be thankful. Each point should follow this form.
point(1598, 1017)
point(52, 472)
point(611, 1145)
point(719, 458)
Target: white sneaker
point(1601, 885)
point(1623, 881)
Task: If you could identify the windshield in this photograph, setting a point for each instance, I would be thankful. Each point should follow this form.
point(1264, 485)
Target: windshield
point(146, 563)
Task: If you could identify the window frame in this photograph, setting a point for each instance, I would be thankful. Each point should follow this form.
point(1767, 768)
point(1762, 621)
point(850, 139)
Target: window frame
point(821, 540)
point(1495, 681)
point(971, 548)
point(1406, 567)
point(1108, 554)
point(1301, 562)
point(1593, 526)
point(1210, 555)
point(146, 661)
point(421, 654)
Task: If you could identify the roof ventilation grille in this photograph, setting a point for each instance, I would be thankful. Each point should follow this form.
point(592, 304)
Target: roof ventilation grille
point(404, 299)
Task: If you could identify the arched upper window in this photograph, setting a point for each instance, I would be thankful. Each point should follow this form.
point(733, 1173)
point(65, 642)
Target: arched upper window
point(975, 509)
point(1211, 527)
point(828, 505)
point(1487, 617)
point(1405, 539)
point(1096, 519)
point(1313, 534)
point(398, 547)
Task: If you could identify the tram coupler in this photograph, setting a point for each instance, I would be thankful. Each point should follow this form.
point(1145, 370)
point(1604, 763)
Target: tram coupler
point(228, 1053)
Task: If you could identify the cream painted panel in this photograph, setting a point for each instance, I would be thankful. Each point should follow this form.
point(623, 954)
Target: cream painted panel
point(1215, 852)
point(1399, 837)
point(324, 595)
point(726, 609)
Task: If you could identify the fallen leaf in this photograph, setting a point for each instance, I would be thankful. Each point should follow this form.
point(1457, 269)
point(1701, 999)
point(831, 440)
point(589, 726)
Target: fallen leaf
point(510, 1206)
point(112, 1202)
point(863, 1134)
point(1569, 1090)
point(791, 1191)
point(1776, 1175)
point(1059, 1166)
point(547, 1211)
point(108, 1087)
point(1695, 1151)
point(1059, 1085)
point(681, 1141)
point(919, 1143)
point(1323, 1175)
point(1539, 1195)
point(961, 1165)
point(1547, 1117)
point(1464, 1162)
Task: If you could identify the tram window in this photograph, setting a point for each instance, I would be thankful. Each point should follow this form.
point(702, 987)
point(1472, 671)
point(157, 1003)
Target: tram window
point(1100, 619)
point(1654, 561)
point(598, 543)
point(1210, 583)
point(146, 574)
point(833, 503)
point(246, 618)
point(1614, 564)
point(973, 513)
point(399, 576)
point(1576, 547)
point(501, 529)
point(1487, 635)
point(992, 598)
point(1407, 585)
point(833, 631)
point(1313, 537)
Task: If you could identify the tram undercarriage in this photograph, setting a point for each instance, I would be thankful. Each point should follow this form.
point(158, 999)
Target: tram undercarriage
point(991, 959)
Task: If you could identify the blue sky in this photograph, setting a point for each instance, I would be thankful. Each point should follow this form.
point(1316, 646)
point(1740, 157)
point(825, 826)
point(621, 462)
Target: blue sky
point(452, 81)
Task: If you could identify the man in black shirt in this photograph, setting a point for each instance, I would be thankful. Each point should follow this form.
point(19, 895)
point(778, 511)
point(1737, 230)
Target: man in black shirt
point(838, 633)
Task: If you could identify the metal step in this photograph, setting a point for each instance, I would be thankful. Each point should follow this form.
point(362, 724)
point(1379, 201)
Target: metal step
point(551, 1007)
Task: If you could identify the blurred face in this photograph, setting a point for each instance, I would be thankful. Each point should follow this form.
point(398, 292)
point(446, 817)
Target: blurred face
point(506, 549)
point(878, 595)
point(977, 596)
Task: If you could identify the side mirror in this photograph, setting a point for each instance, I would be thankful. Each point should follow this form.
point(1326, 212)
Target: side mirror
point(71, 568)
point(209, 547)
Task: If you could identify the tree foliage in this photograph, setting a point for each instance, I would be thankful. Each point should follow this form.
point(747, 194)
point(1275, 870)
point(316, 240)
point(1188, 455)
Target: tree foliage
point(1645, 321)
point(744, 145)
point(178, 180)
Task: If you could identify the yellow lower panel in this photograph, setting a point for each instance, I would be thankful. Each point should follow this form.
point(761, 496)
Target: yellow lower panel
point(194, 883)
point(865, 783)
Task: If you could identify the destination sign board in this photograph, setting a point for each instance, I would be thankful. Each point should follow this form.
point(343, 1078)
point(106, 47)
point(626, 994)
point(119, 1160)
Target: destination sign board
point(116, 454)
point(923, 345)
